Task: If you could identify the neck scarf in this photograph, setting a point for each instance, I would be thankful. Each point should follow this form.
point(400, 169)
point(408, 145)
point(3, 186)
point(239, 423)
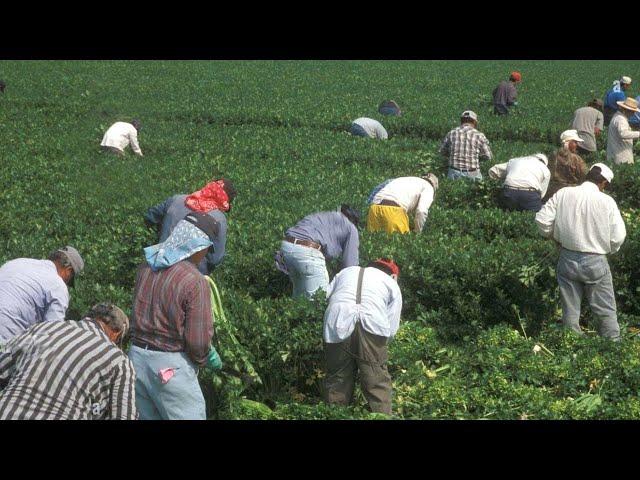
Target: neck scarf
point(211, 197)
point(185, 240)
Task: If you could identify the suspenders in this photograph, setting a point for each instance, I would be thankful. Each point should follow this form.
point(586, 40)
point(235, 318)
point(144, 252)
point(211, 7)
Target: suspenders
point(359, 290)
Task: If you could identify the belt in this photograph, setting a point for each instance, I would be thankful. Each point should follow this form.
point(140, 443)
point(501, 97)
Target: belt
point(388, 203)
point(521, 189)
point(465, 170)
point(304, 243)
point(147, 347)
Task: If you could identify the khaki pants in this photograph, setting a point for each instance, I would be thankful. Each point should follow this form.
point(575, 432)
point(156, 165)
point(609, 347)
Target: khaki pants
point(367, 354)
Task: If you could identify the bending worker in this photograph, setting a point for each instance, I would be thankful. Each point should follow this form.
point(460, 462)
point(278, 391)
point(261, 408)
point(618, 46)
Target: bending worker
point(120, 135)
point(368, 127)
point(526, 180)
point(586, 222)
point(399, 197)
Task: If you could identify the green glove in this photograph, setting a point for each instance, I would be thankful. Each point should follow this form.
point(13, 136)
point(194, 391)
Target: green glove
point(214, 361)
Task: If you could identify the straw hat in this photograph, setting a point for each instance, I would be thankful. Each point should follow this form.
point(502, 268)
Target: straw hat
point(629, 104)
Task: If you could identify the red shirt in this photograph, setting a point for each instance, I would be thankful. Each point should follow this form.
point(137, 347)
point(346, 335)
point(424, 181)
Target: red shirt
point(172, 310)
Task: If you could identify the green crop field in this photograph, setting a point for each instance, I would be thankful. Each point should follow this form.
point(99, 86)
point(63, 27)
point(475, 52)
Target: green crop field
point(478, 284)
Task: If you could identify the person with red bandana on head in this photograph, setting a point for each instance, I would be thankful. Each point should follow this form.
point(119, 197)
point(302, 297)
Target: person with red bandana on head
point(362, 316)
point(214, 199)
point(505, 94)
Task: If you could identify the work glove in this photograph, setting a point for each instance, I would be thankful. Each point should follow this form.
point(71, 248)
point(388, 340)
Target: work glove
point(214, 362)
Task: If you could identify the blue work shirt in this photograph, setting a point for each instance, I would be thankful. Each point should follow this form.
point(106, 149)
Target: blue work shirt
point(635, 119)
point(171, 211)
point(31, 291)
point(612, 96)
point(333, 231)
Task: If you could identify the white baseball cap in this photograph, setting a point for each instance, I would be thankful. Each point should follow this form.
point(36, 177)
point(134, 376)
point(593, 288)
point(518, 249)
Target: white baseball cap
point(626, 80)
point(569, 135)
point(604, 171)
point(470, 114)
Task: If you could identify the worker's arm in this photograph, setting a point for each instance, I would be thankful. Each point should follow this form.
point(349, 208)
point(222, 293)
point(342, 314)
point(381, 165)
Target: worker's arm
point(215, 258)
point(544, 185)
point(422, 209)
point(350, 254)
point(617, 228)
point(512, 95)
point(57, 302)
point(546, 217)
point(485, 148)
point(133, 140)
point(7, 363)
point(446, 145)
point(155, 214)
point(394, 308)
point(498, 171)
point(625, 132)
point(198, 322)
point(123, 393)
point(382, 133)
point(597, 129)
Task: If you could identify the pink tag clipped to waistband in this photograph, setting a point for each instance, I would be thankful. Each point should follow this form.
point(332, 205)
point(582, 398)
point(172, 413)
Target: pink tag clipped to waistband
point(166, 374)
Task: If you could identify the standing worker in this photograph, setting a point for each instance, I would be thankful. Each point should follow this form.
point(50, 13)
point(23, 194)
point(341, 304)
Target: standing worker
point(368, 127)
point(586, 222)
point(588, 122)
point(172, 323)
point(35, 291)
point(362, 316)
point(505, 94)
point(464, 146)
point(120, 135)
point(313, 240)
point(526, 180)
point(620, 136)
point(69, 370)
point(401, 196)
point(614, 95)
point(214, 199)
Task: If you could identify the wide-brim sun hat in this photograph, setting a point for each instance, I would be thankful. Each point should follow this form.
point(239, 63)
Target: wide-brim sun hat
point(629, 104)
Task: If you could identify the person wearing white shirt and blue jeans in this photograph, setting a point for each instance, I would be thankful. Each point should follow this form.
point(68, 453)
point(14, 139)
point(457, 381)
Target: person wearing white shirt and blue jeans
point(588, 225)
point(526, 180)
point(362, 316)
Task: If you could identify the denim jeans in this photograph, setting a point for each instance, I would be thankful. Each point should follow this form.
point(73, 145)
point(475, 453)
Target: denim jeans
point(179, 399)
point(456, 174)
point(358, 131)
point(307, 268)
point(587, 274)
point(520, 200)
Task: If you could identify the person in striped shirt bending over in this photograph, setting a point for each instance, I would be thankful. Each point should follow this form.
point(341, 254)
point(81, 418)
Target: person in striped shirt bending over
point(464, 146)
point(69, 370)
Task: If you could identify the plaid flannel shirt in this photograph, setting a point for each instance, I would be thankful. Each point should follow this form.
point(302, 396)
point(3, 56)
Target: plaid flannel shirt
point(464, 146)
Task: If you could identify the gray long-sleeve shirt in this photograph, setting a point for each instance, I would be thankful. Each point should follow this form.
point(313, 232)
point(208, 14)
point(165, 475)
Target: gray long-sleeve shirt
point(334, 232)
point(505, 94)
point(171, 211)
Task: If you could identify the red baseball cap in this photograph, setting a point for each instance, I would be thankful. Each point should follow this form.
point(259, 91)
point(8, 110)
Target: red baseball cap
point(516, 76)
point(387, 262)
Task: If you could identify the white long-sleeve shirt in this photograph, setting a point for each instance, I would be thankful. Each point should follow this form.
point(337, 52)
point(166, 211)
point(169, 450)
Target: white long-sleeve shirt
point(373, 127)
point(378, 312)
point(583, 219)
point(620, 140)
point(413, 194)
point(523, 172)
point(120, 135)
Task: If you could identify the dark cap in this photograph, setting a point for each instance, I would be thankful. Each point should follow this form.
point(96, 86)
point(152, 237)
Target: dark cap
point(136, 124)
point(2, 86)
point(111, 315)
point(351, 213)
point(205, 223)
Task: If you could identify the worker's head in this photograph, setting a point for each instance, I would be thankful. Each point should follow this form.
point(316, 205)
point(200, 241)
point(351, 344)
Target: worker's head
point(601, 175)
point(68, 263)
point(629, 107)
point(570, 140)
point(432, 179)
point(596, 103)
point(625, 82)
point(2, 86)
point(207, 225)
point(515, 77)
point(469, 117)
point(229, 189)
point(136, 124)
point(386, 265)
point(351, 213)
point(112, 319)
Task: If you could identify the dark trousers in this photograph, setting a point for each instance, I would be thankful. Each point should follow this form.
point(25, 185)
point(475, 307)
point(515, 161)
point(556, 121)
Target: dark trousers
point(113, 150)
point(367, 354)
point(607, 114)
point(500, 109)
point(587, 155)
point(520, 200)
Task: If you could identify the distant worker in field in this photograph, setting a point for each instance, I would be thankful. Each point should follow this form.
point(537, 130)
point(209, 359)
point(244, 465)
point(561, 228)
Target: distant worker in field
point(172, 323)
point(505, 94)
point(34, 291)
point(391, 205)
point(389, 107)
point(120, 135)
point(526, 180)
point(2, 86)
point(567, 168)
point(214, 199)
point(634, 121)
point(588, 122)
point(314, 240)
point(586, 222)
point(69, 370)
point(362, 316)
point(620, 136)
point(614, 95)
point(368, 127)
point(464, 146)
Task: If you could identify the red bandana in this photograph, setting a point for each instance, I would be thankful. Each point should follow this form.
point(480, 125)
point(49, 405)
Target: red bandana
point(211, 197)
point(387, 262)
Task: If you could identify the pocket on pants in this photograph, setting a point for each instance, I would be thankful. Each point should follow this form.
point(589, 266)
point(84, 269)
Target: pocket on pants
point(595, 269)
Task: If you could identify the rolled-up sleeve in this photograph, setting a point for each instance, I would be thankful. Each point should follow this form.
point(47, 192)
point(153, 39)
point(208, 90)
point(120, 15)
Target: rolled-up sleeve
point(350, 254)
point(198, 325)
point(123, 393)
point(545, 218)
point(617, 229)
